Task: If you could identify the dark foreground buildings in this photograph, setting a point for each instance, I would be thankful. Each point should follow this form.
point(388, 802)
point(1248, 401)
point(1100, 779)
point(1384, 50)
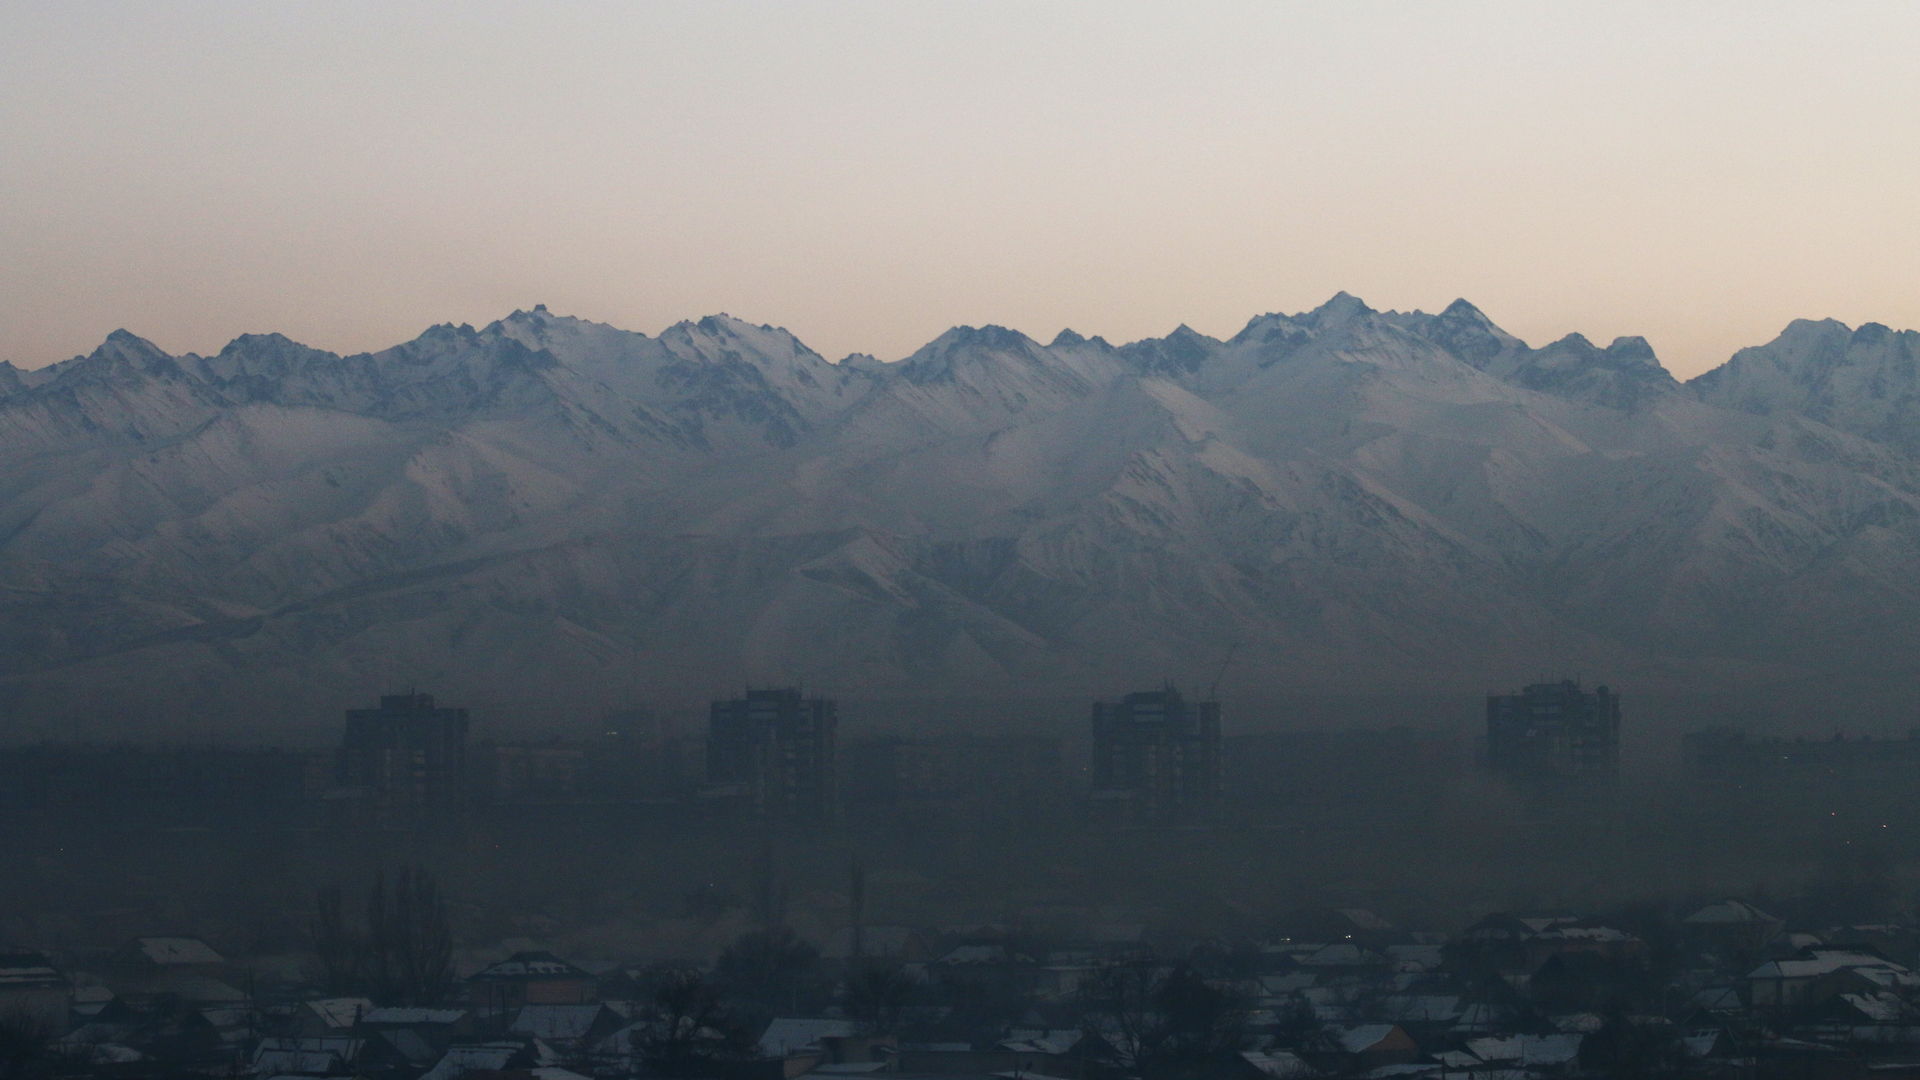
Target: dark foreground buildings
point(1554, 730)
point(1156, 760)
point(775, 751)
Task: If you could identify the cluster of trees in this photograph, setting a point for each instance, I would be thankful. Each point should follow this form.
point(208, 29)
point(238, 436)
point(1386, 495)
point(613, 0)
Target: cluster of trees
point(1162, 1021)
point(24, 1040)
point(399, 953)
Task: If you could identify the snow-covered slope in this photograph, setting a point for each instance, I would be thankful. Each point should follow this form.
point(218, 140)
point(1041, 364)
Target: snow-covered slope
point(1866, 381)
point(552, 514)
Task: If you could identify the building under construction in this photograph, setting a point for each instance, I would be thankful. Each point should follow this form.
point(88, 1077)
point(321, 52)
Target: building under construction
point(404, 761)
point(775, 751)
point(1556, 730)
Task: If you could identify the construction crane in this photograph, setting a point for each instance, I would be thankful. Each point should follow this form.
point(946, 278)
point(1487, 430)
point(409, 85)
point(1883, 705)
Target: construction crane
point(1214, 689)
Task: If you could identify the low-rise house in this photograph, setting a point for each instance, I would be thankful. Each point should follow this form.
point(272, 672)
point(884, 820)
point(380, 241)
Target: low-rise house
point(1780, 985)
point(1363, 1047)
point(805, 1044)
point(489, 1057)
point(1732, 928)
point(500, 990)
point(1557, 1052)
point(1521, 943)
point(417, 1035)
point(1055, 1052)
point(570, 1029)
point(1275, 1065)
point(1416, 958)
point(328, 1016)
point(94, 1000)
point(31, 987)
point(1344, 958)
point(170, 974)
point(1709, 1044)
point(1411, 1010)
point(325, 1056)
point(148, 955)
point(230, 1028)
point(88, 1047)
point(1878, 1018)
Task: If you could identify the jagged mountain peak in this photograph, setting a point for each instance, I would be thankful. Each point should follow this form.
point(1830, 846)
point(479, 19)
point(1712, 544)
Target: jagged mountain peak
point(1181, 352)
point(724, 335)
point(1865, 381)
point(1070, 339)
point(444, 334)
point(1633, 347)
point(1463, 311)
point(122, 355)
point(1273, 327)
point(124, 346)
point(721, 322)
point(721, 325)
point(989, 338)
point(1464, 331)
point(864, 362)
point(536, 315)
point(271, 343)
point(1815, 326)
point(1873, 333)
point(1337, 312)
point(1340, 306)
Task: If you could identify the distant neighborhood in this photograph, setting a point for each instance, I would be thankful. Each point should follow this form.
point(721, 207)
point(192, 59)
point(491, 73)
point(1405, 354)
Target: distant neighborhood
point(376, 979)
point(1724, 990)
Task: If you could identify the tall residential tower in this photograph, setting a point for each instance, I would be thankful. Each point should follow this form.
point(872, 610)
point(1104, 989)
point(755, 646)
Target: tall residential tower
point(1156, 759)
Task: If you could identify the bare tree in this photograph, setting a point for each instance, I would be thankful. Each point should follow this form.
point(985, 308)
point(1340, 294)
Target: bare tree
point(1159, 1019)
point(403, 955)
point(769, 968)
point(690, 1030)
point(876, 993)
point(335, 944)
point(409, 942)
point(25, 1040)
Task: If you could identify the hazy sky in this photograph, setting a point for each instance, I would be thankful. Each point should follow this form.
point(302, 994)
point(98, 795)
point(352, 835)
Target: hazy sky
point(869, 174)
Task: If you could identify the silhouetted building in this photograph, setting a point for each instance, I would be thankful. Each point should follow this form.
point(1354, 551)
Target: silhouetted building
point(500, 990)
point(405, 759)
point(775, 750)
point(1554, 730)
point(1156, 760)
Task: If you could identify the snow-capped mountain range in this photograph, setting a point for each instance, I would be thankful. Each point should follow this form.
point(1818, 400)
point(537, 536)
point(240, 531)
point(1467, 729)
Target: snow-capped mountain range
point(552, 510)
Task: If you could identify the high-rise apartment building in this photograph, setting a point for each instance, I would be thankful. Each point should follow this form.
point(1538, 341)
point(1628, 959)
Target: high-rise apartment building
point(777, 748)
point(1156, 760)
point(405, 758)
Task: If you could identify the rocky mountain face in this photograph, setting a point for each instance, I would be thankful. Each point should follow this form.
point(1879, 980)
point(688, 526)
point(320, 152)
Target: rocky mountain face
point(550, 516)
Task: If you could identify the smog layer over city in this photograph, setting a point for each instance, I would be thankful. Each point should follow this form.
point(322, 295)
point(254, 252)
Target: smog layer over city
point(1125, 541)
